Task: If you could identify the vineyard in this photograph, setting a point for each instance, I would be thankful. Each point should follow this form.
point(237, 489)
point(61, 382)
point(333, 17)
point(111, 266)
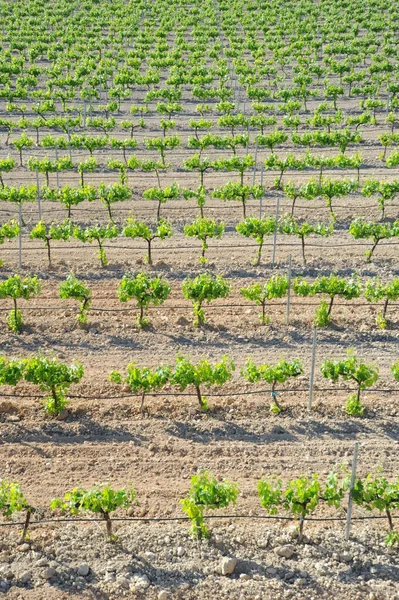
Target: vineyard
point(199, 293)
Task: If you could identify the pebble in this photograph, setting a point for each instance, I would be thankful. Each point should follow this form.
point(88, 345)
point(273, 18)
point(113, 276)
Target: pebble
point(346, 557)
point(228, 565)
point(180, 551)
point(285, 551)
point(140, 582)
point(49, 572)
point(163, 595)
point(83, 570)
point(25, 577)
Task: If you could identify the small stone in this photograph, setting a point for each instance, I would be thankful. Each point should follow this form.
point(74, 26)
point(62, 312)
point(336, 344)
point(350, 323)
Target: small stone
point(13, 418)
point(123, 582)
point(83, 570)
point(49, 572)
point(25, 577)
point(24, 548)
point(244, 577)
point(141, 582)
point(180, 551)
point(42, 562)
point(345, 557)
point(163, 595)
point(271, 570)
point(300, 581)
point(227, 565)
point(64, 414)
point(285, 551)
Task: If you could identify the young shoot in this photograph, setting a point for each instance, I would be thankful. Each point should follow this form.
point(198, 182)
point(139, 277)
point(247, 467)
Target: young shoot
point(375, 291)
point(290, 226)
point(46, 233)
point(97, 233)
point(331, 286)
point(375, 492)
point(16, 288)
point(202, 229)
point(12, 500)
point(201, 374)
point(204, 288)
point(146, 290)
point(137, 229)
point(275, 287)
point(351, 369)
point(272, 374)
point(257, 229)
point(207, 492)
point(99, 501)
point(361, 229)
point(143, 380)
point(72, 287)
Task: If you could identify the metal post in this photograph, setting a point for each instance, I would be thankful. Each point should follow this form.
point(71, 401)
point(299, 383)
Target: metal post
point(261, 197)
point(275, 232)
point(350, 501)
point(255, 158)
point(312, 367)
point(57, 173)
point(20, 236)
point(287, 315)
point(38, 195)
point(84, 115)
point(69, 144)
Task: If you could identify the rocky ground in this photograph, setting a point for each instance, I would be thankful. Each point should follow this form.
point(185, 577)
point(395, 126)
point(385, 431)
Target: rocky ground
point(255, 561)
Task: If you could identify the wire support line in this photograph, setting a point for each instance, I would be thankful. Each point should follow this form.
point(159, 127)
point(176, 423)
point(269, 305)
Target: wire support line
point(180, 519)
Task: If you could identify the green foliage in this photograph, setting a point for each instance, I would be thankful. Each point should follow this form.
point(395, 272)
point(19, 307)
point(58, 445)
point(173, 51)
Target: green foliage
point(54, 377)
point(97, 233)
point(271, 140)
point(239, 193)
point(12, 500)
point(16, 287)
point(207, 492)
point(115, 192)
point(138, 229)
point(290, 162)
point(204, 288)
point(361, 229)
point(46, 233)
point(291, 226)
point(70, 196)
point(273, 374)
point(375, 291)
point(143, 380)
point(72, 287)
point(200, 197)
point(162, 144)
point(19, 195)
point(102, 501)
point(275, 287)
point(8, 231)
point(386, 190)
point(46, 166)
point(301, 496)
point(332, 286)
point(171, 192)
point(86, 166)
point(376, 492)
point(351, 369)
point(257, 229)
point(146, 290)
point(202, 229)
